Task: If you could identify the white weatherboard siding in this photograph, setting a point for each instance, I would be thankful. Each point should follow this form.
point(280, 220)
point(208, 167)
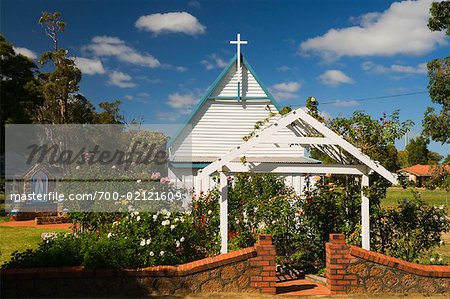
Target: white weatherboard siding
point(220, 125)
point(227, 87)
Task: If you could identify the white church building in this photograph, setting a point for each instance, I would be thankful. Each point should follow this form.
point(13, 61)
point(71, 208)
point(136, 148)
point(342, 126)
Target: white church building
point(220, 137)
point(228, 112)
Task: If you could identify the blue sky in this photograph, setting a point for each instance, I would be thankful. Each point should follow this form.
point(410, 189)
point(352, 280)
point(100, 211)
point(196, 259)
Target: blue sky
point(158, 57)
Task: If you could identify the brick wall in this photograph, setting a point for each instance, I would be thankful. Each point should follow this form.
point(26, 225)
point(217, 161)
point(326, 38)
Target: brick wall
point(250, 270)
point(352, 269)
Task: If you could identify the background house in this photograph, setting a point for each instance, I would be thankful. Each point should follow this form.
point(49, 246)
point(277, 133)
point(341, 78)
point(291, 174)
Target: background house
point(419, 173)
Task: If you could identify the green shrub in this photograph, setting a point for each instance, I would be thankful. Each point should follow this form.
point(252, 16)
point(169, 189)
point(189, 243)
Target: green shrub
point(61, 250)
point(409, 230)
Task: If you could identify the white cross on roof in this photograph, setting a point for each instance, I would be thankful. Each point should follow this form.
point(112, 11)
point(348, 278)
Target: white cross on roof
point(238, 42)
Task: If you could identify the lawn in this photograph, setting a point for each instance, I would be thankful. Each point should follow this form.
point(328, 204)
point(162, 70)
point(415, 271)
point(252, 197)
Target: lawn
point(20, 238)
point(433, 197)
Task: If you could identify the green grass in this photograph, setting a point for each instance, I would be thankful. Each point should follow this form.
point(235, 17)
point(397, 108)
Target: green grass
point(432, 197)
point(20, 239)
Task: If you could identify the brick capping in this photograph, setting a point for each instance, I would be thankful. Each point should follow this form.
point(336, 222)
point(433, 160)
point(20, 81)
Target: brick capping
point(418, 269)
point(251, 269)
point(351, 269)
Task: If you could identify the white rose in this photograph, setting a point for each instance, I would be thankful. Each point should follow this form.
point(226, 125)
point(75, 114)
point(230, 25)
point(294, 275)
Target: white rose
point(151, 253)
point(161, 253)
point(143, 242)
point(182, 239)
point(148, 241)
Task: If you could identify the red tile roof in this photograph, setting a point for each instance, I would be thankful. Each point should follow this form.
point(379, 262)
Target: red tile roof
point(421, 170)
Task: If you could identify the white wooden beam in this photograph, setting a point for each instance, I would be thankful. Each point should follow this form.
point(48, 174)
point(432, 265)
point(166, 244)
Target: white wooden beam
point(262, 136)
point(365, 214)
point(346, 146)
point(223, 212)
point(300, 140)
point(292, 168)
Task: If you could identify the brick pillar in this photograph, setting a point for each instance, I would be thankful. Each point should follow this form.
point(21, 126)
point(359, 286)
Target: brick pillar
point(337, 259)
point(265, 259)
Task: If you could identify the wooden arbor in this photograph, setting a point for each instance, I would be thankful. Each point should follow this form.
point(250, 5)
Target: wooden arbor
point(308, 131)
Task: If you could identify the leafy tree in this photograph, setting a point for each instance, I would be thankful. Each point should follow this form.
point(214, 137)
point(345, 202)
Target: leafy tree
point(402, 158)
point(434, 158)
point(63, 80)
point(80, 110)
point(447, 160)
point(418, 151)
point(18, 85)
point(110, 113)
point(437, 124)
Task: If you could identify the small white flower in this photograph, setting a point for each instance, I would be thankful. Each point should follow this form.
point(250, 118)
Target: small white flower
point(161, 253)
point(177, 243)
point(143, 242)
point(209, 212)
point(138, 181)
point(152, 253)
point(182, 219)
point(155, 217)
point(138, 218)
point(148, 241)
point(182, 239)
point(176, 220)
point(172, 227)
point(110, 235)
point(432, 259)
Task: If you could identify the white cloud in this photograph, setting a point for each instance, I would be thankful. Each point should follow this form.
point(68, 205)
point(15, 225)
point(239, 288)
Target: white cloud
point(104, 46)
point(214, 61)
point(121, 79)
point(335, 78)
point(171, 116)
point(89, 66)
point(345, 103)
point(141, 97)
point(401, 29)
point(180, 69)
point(285, 90)
point(182, 101)
point(195, 4)
point(179, 22)
point(285, 68)
point(25, 52)
point(369, 66)
point(149, 80)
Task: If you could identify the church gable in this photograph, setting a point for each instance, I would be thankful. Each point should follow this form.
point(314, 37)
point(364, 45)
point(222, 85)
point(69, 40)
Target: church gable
point(227, 87)
point(229, 110)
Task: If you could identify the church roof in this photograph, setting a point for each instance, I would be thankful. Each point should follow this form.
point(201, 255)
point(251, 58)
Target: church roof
point(222, 88)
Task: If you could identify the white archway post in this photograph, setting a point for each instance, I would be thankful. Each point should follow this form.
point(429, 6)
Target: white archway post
point(365, 214)
point(223, 212)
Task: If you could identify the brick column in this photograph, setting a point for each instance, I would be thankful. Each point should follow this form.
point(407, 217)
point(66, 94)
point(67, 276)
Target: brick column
point(265, 259)
point(337, 259)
